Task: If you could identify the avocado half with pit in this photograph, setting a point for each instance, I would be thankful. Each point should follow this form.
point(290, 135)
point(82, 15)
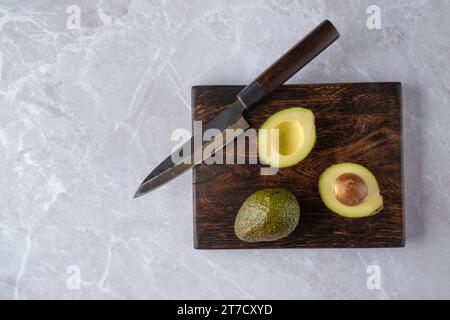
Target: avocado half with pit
point(287, 137)
point(350, 190)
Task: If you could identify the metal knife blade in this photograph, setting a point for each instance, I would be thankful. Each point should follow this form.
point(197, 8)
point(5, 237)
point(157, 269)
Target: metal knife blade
point(230, 118)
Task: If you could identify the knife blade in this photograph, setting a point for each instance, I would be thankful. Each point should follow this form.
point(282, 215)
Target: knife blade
point(279, 72)
point(230, 118)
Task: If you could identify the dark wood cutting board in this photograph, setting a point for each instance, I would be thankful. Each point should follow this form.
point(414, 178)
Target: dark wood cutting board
point(355, 122)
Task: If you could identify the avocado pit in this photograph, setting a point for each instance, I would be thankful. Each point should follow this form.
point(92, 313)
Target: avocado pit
point(350, 189)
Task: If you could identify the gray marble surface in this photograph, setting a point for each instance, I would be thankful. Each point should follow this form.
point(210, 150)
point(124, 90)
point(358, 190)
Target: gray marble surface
point(86, 113)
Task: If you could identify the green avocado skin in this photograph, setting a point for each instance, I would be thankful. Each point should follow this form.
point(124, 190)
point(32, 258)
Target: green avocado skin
point(267, 215)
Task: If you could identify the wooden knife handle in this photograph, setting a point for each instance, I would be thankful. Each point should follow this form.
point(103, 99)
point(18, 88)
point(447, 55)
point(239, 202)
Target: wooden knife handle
point(290, 63)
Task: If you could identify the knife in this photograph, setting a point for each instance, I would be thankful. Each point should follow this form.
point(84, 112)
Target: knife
point(232, 117)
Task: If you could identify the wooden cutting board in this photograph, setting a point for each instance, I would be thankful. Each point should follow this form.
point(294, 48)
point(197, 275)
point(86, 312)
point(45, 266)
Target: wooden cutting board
point(356, 122)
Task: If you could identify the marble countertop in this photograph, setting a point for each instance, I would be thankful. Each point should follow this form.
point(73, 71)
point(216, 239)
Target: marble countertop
point(90, 93)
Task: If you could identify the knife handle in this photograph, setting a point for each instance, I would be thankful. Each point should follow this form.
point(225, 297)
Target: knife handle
point(290, 63)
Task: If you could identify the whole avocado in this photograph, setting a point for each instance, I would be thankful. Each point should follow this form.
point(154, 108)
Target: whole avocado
point(267, 215)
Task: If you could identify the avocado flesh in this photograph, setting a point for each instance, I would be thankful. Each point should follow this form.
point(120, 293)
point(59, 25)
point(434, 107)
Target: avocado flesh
point(371, 204)
point(267, 215)
point(287, 137)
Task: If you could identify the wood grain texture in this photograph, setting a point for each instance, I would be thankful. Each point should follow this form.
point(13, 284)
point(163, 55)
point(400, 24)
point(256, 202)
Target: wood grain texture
point(356, 122)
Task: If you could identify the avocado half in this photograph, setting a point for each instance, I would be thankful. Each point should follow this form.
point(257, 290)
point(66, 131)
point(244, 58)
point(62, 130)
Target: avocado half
point(267, 215)
point(287, 137)
point(350, 190)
